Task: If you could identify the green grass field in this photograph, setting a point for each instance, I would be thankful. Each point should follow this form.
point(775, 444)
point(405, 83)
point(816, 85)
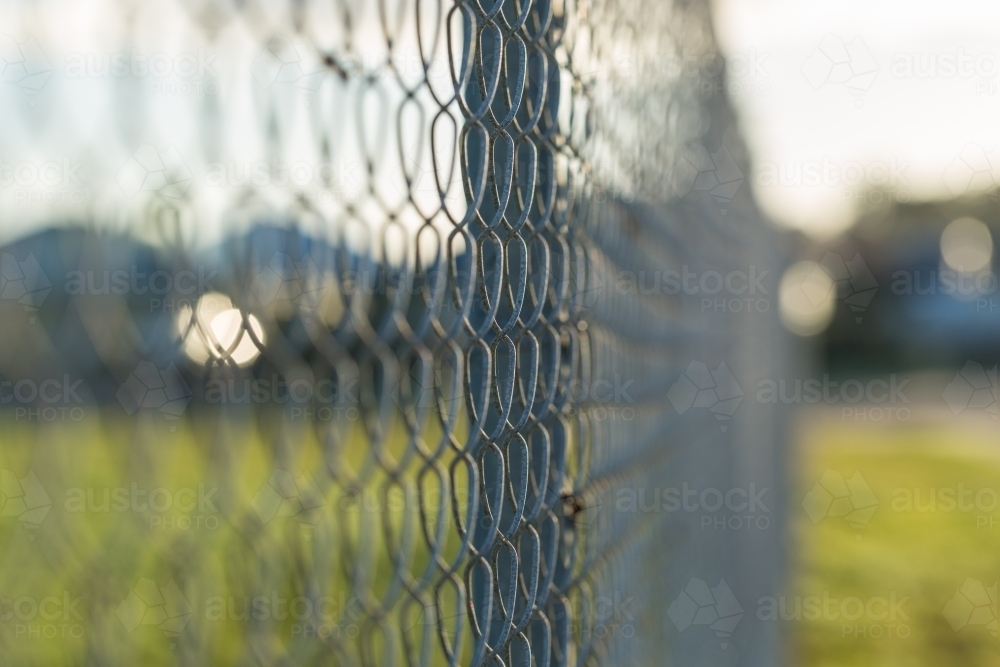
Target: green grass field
point(936, 526)
point(66, 573)
point(146, 542)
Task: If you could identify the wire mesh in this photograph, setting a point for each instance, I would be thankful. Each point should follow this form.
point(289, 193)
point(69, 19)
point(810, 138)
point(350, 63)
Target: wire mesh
point(345, 369)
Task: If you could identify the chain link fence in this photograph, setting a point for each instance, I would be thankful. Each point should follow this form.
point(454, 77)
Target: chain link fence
point(334, 332)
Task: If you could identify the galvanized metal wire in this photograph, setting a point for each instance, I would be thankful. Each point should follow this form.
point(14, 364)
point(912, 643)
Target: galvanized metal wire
point(428, 385)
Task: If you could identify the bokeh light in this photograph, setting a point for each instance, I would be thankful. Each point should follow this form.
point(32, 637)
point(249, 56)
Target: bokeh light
point(221, 335)
point(806, 298)
point(966, 245)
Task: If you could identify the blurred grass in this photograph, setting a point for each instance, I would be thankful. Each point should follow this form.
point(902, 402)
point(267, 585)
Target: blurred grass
point(923, 555)
point(923, 552)
point(221, 553)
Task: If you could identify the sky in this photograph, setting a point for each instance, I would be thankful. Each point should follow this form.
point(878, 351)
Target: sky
point(107, 110)
point(837, 98)
point(834, 97)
